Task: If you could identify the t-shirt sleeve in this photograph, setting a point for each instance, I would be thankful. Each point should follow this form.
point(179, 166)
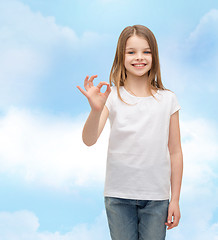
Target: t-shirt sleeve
point(108, 103)
point(175, 104)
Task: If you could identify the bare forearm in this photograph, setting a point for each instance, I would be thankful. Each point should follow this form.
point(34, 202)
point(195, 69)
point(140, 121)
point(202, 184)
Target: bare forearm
point(90, 130)
point(176, 175)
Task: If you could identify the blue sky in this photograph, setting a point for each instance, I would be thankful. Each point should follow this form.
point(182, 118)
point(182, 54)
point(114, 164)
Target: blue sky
point(51, 183)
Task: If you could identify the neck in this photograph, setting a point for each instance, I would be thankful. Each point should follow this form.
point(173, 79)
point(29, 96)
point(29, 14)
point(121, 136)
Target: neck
point(137, 84)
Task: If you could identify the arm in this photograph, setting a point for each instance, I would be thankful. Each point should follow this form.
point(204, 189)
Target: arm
point(176, 158)
point(90, 130)
point(176, 175)
point(94, 126)
point(99, 112)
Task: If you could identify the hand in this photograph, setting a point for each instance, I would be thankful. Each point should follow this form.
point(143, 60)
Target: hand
point(174, 211)
point(96, 98)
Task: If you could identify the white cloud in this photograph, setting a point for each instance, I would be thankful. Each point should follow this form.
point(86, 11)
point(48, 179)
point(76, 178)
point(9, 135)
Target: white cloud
point(49, 151)
point(191, 63)
point(20, 222)
point(202, 43)
point(28, 43)
point(22, 27)
point(208, 24)
point(24, 225)
point(33, 46)
point(200, 151)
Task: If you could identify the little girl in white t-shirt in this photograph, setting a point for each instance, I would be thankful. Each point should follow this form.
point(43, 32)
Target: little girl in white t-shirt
point(144, 159)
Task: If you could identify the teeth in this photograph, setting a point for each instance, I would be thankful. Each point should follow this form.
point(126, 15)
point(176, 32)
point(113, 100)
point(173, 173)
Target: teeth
point(139, 65)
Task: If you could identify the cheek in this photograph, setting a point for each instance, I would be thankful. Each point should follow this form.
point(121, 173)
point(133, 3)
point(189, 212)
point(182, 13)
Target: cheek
point(126, 61)
point(150, 60)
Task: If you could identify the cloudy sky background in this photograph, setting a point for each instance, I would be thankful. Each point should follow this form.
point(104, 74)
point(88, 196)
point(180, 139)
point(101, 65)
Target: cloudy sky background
point(51, 183)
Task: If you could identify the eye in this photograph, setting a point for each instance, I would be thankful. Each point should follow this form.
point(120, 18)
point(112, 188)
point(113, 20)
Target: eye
point(131, 52)
point(147, 52)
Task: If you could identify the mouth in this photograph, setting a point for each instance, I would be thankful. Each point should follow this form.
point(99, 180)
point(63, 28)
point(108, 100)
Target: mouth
point(139, 65)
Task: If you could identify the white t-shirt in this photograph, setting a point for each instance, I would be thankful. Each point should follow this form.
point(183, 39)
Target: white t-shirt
point(138, 160)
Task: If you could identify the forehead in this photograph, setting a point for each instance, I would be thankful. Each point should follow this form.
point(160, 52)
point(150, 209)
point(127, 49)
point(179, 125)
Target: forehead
point(136, 42)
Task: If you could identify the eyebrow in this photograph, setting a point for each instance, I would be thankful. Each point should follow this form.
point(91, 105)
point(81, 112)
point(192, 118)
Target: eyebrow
point(134, 48)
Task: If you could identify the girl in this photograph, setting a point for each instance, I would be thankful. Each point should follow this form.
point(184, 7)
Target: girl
point(144, 156)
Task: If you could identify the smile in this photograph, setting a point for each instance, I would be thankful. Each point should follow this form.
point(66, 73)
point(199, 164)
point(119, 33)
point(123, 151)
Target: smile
point(139, 65)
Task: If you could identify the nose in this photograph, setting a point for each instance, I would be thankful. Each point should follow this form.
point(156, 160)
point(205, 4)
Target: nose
point(139, 56)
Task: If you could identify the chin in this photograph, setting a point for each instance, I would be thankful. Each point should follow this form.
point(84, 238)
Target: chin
point(141, 75)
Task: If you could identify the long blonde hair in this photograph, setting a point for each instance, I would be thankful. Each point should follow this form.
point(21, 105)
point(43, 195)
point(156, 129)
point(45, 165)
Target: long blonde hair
point(118, 71)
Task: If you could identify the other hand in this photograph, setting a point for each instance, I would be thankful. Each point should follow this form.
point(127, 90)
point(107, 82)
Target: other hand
point(173, 211)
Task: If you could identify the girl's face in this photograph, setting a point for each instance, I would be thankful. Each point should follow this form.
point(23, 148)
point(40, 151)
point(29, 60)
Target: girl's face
point(138, 57)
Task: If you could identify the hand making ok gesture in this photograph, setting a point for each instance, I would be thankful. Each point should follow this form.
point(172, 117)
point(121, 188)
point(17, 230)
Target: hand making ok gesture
point(96, 98)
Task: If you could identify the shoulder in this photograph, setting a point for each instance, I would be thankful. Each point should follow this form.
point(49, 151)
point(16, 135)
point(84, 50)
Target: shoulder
point(168, 96)
point(112, 93)
point(167, 93)
point(114, 90)
point(171, 98)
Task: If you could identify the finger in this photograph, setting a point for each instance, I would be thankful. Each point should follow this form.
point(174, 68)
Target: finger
point(108, 90)
point(173, 224)
point(91, 80)
point(169, 218)
point(169, 225)
point(86, 82)
point(175, 221)
point(82, 91)
point(103, 83)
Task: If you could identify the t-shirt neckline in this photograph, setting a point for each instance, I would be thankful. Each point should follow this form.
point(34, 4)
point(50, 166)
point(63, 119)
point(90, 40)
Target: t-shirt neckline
point(139, 97)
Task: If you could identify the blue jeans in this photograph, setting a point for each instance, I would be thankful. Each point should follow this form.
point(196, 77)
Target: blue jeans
point(136, 219)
